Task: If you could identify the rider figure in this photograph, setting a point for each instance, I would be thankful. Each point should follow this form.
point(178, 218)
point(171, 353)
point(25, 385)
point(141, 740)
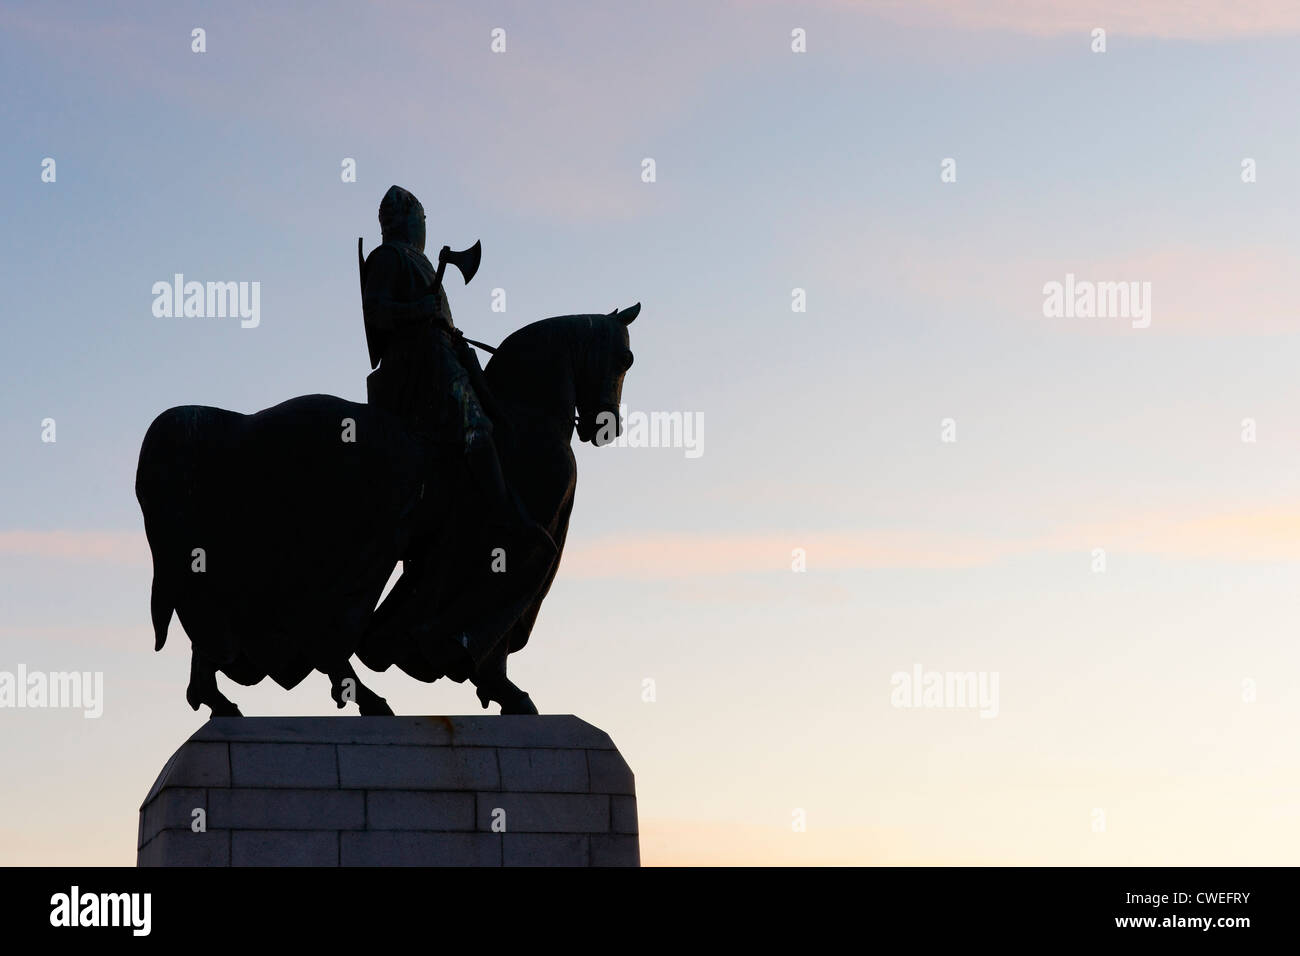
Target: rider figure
point(428, 375)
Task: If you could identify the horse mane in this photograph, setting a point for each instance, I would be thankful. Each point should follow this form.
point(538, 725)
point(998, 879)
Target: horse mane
point(559, 330)
point(534, 344)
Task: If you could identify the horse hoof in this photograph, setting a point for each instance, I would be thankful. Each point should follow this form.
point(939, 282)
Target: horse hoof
point(377, 708)
point(226, 710)
point(521, 705)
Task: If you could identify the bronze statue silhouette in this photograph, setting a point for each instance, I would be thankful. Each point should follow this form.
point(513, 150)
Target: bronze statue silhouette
point(273, 534)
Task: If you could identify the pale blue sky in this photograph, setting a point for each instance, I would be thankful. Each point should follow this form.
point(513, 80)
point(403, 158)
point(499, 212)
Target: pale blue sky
point(775, 170)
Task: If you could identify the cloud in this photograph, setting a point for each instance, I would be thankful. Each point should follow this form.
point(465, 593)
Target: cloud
point(1258, 535)
point(1173, 19)
point(672, 842)
point(1266, 533)
point(1197, 288)
point(663, 555)
point(116, 547)
point(555, 126)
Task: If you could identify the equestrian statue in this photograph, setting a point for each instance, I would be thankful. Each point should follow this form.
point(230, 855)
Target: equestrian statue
point(274, 534)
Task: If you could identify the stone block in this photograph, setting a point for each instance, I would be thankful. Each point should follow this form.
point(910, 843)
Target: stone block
point(186, 848)
point(615, 849)
point(268, 808)
point(413, 848)
point(546, 812)
point(399, 767)
point(283, 765)
point(546, 849)
point(395, 809)
point(544, 769)
point(284, 848)
point(610, 772)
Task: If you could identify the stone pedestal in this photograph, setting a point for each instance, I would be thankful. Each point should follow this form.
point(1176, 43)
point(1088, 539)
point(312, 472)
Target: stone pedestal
point(392, 791)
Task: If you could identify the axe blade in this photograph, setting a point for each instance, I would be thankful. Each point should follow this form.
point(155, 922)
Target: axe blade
point(466, 260)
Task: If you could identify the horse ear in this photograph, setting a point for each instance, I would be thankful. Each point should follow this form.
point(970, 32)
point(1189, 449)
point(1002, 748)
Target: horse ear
point(630, 313)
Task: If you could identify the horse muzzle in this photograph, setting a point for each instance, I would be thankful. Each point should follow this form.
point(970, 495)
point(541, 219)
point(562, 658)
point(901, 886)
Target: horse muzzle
point(600, 426)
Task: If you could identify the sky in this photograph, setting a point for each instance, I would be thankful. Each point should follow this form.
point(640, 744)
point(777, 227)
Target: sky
point(918, 470)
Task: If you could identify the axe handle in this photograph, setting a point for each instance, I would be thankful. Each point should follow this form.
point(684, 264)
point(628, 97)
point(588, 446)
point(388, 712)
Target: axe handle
point(442, 262)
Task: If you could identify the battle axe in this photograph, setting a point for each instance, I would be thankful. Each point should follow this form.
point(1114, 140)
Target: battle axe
point(466, 260)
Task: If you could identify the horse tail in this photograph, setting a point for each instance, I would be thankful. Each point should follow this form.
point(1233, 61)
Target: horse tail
point(163, 478)
point(161, 607)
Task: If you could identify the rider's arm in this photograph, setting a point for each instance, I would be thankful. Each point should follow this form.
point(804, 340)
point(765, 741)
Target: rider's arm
point(383, 270)
point(444, 308)
point(469, 362)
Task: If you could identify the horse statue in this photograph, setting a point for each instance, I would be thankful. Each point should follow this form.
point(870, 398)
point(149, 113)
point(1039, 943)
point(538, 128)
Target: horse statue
point(274, 534)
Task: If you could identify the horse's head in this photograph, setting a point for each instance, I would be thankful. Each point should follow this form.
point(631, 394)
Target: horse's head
point(567, 362)
point(604, 359)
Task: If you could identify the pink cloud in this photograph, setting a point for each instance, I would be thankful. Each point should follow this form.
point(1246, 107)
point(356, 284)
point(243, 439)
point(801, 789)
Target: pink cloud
point(1196, 288)
point(674, 842)
point(1175, 19)
point(555, 126)
point(1201, 288)
point(1265, 533)
point(659, 555)
point(118, 547)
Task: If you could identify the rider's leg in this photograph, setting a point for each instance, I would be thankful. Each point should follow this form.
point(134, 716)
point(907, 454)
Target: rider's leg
point(485, 467)
point(528, 549)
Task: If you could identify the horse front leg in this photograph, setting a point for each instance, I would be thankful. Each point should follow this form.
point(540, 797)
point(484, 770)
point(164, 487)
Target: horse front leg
point(346, 686)
point(492, 684)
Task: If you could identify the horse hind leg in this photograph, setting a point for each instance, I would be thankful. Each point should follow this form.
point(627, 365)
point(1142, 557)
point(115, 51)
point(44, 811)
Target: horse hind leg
point(203, 689)
point(346, 686)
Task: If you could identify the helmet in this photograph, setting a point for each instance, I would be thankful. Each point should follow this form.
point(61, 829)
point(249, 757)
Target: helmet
point(401, 217)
